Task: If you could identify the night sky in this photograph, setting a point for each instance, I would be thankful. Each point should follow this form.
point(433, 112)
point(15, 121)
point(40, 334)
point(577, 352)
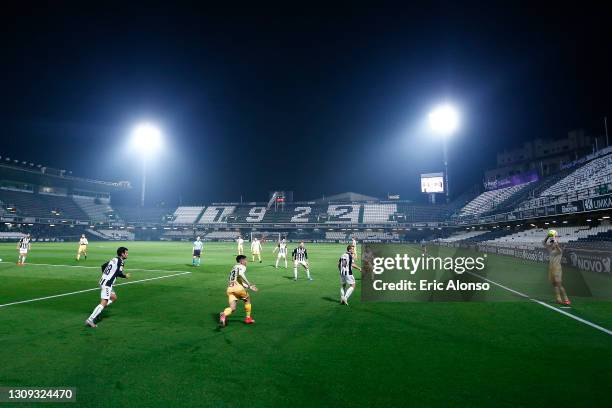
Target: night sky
point(317, 101)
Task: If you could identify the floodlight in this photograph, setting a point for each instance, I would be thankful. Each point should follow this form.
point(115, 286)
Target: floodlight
point(146, 137)
point(444, 119)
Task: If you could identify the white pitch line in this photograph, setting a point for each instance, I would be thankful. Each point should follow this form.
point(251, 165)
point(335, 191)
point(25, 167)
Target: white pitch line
point(89, 290)
point(563, 312)
point(92, 267)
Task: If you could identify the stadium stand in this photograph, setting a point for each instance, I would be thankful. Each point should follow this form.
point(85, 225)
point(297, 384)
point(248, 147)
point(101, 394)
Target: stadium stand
point(11, 236)
point(178, 234)
point(41, 232)
point(489, 235)
point(361, 235)
point(216, 214)
point(63, 207)
point(423, 213)
point(96, 211)
point(374, 235)
point(336, 235)
point(534, 236)
point(187, 214)
point(40, 205)
point(462, 236)
point(295, 213)
point(222, 235)
point(23, 203)
point(592, 174)
point(143, 215)
point(489, 199)
point(378, 213)
point(116, 234)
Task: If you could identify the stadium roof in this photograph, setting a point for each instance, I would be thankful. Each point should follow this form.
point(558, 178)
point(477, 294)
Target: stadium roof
point(347, 197)
point(57, 178)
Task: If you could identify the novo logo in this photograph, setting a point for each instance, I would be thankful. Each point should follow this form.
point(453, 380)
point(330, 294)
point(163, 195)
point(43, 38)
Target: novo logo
point(590, 263)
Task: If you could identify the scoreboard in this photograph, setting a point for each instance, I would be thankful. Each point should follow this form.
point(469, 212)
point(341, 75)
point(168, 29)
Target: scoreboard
point(432, 183)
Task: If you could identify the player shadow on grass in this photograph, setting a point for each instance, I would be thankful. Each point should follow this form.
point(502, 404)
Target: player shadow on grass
point(330, 299)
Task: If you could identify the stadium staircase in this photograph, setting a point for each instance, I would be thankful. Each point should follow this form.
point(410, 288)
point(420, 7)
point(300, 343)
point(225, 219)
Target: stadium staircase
point(96, 211)
point(95, 233)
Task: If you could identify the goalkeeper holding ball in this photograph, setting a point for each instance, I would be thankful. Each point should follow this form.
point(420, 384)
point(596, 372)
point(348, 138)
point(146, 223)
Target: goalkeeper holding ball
point(551, 243)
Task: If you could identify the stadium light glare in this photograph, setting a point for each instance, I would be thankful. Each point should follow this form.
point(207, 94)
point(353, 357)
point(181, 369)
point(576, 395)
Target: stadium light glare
point(444, 119)
point(146, 137)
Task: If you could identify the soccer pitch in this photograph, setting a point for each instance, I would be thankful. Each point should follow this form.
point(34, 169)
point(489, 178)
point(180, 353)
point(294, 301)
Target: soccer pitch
point(159, 345)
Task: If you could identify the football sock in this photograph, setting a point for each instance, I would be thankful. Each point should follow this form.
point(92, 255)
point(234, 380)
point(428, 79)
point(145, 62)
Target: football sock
point(247, 309)
point(96, 312)
point(295, 273)
point(308, 273)
point(109, 302)
point(276, 265)
point(563, 293)
point(349, 292)
point(227, 311)
point(285, 264)
point(341, 292)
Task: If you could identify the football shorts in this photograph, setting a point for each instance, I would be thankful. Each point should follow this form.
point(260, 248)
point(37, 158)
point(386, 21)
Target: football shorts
point(347, 279)
point(106, 292)
point(237, 292)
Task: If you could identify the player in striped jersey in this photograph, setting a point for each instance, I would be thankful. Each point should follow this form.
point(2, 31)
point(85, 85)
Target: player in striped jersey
point(197, 252)
point(300, 257)
point(23, 247)
point(111, 270)
point(237, 286)
point(346, 263)
point(282, 252)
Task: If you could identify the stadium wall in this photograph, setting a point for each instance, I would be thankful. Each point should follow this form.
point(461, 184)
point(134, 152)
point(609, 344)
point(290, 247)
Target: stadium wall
point(583, 259)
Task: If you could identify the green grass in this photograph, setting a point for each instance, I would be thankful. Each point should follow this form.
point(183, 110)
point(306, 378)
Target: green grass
point(159, 345)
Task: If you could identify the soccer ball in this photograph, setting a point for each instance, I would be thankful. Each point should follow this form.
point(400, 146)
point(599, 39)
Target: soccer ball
point(552, 233)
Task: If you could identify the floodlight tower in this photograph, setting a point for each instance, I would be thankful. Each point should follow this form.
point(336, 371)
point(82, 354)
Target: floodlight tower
point(444, 120)
point(146, 139)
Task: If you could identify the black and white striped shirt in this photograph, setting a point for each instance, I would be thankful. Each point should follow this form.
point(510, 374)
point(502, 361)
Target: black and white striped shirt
point(24, 243)
point(300, 254)
point(112, 270)
point(345, 264)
